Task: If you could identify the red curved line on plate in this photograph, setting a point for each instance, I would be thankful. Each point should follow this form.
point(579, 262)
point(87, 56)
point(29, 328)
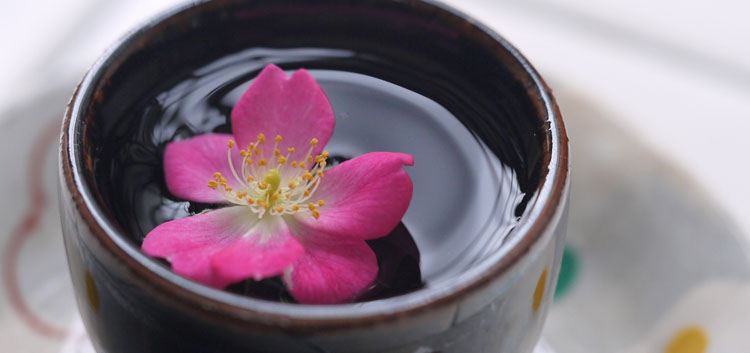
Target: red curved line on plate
point(24, 229)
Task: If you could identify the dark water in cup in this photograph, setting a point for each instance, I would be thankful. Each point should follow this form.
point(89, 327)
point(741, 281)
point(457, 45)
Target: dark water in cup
point(467, 197)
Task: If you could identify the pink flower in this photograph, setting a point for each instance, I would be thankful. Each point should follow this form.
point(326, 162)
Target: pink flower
point(287, 215)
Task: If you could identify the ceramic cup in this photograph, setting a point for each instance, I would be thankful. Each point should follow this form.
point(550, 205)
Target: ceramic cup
point(496, 302)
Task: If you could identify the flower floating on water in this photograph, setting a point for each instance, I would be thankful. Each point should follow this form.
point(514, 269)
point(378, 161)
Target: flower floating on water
point(287, 214)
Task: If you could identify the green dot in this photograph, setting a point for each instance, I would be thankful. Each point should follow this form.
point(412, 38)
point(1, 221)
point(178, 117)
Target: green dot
point(568, 271)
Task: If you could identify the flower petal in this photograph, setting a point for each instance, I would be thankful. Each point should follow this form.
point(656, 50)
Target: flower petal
point(365, 197)
point(331, 270)
point(264, 251)
point(191, 163)
point(295, 108)
point(190, 243)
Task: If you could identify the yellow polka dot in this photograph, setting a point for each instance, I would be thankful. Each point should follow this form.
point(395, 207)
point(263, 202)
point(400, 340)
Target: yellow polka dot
point(91, 291)
point(539, 292)
point(690, 339)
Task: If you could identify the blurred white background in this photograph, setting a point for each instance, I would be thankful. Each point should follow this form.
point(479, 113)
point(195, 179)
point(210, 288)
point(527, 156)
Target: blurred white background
point(674, 73)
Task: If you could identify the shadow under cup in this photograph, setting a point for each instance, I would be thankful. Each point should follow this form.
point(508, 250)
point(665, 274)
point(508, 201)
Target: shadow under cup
point(483, 127)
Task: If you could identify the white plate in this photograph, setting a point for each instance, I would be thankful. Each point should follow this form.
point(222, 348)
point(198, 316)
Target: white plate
point(651, 264)
point(650, 260)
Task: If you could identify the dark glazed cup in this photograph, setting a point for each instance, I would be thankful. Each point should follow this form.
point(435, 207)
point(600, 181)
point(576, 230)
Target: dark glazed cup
point(132, 303)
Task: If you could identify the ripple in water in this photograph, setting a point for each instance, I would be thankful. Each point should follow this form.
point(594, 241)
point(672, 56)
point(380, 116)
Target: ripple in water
point(465, 204)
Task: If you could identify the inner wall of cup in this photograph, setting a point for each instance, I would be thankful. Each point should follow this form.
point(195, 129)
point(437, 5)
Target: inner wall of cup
point(408, 47)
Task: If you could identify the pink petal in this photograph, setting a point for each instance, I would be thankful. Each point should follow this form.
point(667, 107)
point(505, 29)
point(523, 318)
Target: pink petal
point(365, 197)
point(196, 265)
point(191, 244)
point(331, 270)
point(265, 251)
point(191, 163)
point(295, 108)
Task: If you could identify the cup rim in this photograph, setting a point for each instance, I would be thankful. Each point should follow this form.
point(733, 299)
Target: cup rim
point(543, 210)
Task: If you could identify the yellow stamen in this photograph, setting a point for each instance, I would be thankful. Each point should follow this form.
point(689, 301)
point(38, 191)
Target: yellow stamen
point(272, 179)
point(265, 191)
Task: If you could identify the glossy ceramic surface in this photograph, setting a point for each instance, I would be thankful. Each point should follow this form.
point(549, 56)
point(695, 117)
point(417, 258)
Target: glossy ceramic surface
point(131, 303)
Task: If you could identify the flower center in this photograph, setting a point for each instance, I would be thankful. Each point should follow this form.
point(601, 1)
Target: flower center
point(277, 187)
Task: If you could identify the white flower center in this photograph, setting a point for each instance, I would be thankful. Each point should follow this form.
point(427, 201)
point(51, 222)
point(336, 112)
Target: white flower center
point(277, 187)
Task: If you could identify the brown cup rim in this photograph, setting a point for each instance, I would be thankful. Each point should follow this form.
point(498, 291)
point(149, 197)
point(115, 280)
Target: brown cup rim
point(246, 312)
